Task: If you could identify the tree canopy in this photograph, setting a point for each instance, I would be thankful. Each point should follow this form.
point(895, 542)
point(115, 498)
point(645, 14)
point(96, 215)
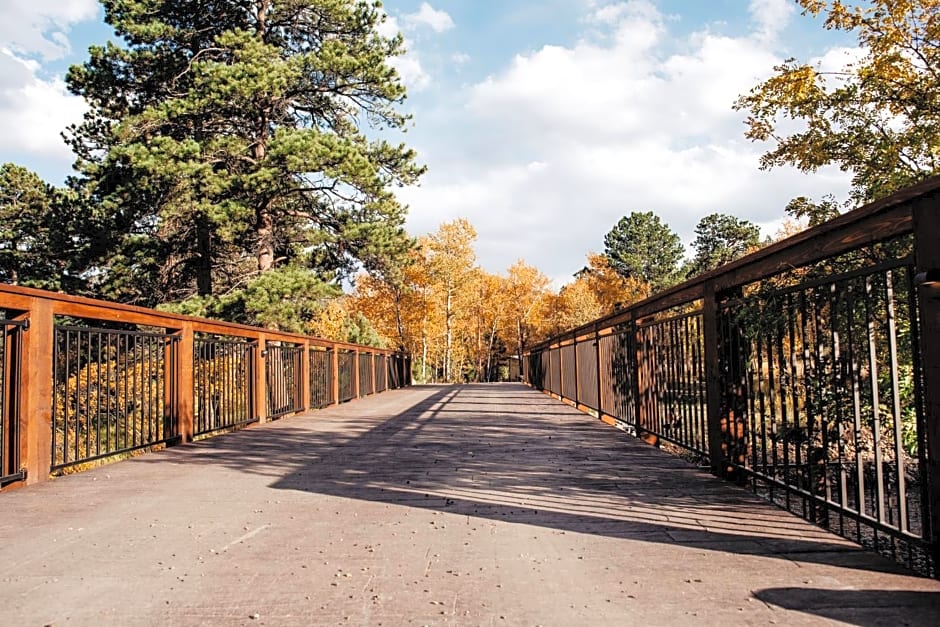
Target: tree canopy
point(642, 248)
point(228, 140)
point(720, 239)
point(46, 235)
point(877, 117)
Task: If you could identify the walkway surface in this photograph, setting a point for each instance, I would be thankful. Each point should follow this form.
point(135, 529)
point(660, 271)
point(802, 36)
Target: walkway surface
point(463, 505)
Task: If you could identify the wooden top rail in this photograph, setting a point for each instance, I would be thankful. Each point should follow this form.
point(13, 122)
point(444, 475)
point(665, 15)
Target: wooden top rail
point(875, 222)
point(24, 299)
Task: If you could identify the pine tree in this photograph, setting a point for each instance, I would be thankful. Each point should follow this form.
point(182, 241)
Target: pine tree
point(229, 139)
point(642, 248)
point(720, 239)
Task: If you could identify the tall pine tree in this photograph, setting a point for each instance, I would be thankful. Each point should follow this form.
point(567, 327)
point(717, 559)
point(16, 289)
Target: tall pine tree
point(225, 147)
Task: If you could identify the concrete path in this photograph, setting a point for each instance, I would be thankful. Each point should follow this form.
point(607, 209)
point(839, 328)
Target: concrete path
point(463, 505)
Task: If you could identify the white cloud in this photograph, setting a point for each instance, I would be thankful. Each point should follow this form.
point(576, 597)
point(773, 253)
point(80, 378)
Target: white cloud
point(439, 21)
point(460, 58)
point(407, 65)
point(40, 27)
point(33, 111)
point(562, 142)
point(770, 17)
point(411, 71)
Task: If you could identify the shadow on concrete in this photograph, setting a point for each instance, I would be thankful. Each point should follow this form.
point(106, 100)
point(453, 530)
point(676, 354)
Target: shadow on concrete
point(526, 459)
point(858, 607)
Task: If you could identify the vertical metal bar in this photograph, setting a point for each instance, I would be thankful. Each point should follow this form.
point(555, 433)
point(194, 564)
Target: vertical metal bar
point(97, 392)
point(783, 391)
point(756, 432)
point(764, 377)
point(106, 358)
point(773, 390)
point(86, 340)
point(875, 399)
point(821, 375)
point(857, 409)
point(838, 384)
point(794, 432)
point(896, 404)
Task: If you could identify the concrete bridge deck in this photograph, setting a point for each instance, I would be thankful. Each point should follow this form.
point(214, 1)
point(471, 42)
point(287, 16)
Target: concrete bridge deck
point(448, 505)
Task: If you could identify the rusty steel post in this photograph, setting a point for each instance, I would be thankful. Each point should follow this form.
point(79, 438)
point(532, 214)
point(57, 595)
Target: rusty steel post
point(37, 391)
point(305, 375)
point(710, 322)
point(260, 380)
point(334, 380)
point(643, 387)
point(726, 402)
point(357, 390)
point(372, 366)
point(597, 360)
point(577, 372)
point(927, 259)
point(185, 392)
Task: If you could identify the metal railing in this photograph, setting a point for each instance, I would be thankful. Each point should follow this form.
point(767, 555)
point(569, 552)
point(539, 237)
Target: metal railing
point(366, 371)
point(112, 393)
point(10, 369)
point(381, 373)
point(86, 380)
point(283, 364)
point(809, 370)
point(222, 377)
point(321, 378)
point(347, 373)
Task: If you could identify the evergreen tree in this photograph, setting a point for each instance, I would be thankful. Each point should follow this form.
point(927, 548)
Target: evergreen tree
point(225, 141)
point(46, 235)
point(720, 239)
point(641, 247)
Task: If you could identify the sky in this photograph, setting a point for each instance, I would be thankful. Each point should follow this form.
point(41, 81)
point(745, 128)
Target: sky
point(542, 122)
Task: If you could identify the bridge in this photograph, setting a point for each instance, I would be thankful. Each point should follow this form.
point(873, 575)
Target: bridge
point(760, 443)
point(470, 504)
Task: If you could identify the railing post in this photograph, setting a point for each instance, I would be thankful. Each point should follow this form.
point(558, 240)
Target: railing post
point(357, 390)
point(36, 394)
point(577, 372)
point(261, 380)
point(726, 403)
point(644, 386)
point(372, 365)
point(184, 376)
point(305, 375)
point(334, 380)
point(597, 360)
point(712, 377)
point(926, 215)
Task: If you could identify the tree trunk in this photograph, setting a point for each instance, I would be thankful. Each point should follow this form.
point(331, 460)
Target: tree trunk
point(424, 358)
point(265, 234)
point(203, 256)
point(521, 340)
point(448, 315)
point(489, 348)
point(398, 320)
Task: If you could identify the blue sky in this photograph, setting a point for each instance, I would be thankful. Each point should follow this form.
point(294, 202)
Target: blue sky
point(541, 121)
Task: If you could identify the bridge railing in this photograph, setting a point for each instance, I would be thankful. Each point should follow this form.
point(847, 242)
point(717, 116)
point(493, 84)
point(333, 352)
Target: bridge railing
point(82, 379)
point(809, 369)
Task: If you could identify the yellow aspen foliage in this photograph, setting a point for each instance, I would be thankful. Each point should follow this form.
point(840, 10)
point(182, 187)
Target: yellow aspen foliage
point(877, 117)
